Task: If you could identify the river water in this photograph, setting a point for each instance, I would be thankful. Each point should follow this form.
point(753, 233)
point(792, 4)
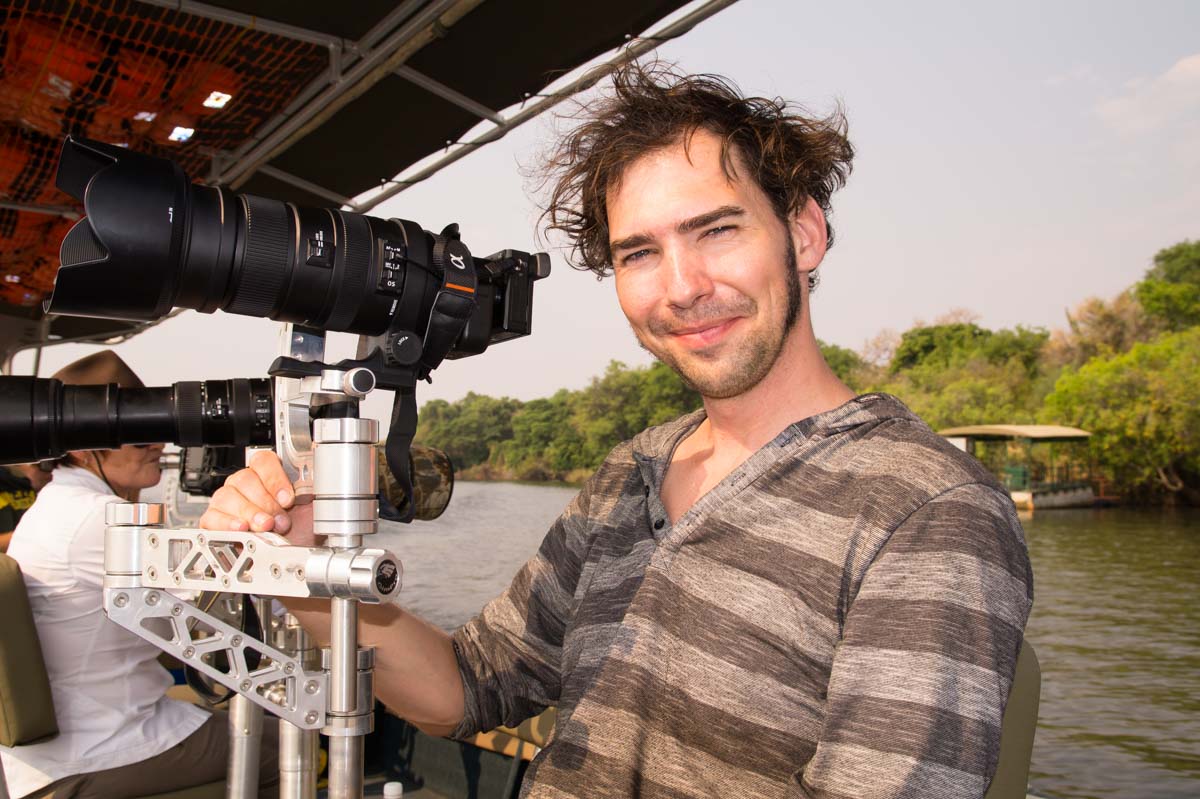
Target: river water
point(1115, 625)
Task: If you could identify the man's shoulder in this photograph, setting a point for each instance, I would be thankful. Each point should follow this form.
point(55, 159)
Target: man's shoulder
point(894, 444)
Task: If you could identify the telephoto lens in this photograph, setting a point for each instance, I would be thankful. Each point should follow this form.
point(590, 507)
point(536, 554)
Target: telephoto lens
point(153, 241)
point(41, 418)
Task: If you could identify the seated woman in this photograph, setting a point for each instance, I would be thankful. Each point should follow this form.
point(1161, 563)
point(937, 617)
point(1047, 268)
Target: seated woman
point(119, 735)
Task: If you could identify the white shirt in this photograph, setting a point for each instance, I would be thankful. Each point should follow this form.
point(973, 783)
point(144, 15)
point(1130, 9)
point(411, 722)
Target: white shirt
point(108, 687)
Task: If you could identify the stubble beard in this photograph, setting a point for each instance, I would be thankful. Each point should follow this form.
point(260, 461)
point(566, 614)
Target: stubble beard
point(753, 359)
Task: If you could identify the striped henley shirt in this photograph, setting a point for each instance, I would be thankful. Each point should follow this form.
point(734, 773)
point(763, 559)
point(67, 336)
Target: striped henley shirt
point(839, 618)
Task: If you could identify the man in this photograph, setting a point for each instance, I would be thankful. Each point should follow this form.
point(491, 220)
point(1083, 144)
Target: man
point(119, 735)
point(792, 592)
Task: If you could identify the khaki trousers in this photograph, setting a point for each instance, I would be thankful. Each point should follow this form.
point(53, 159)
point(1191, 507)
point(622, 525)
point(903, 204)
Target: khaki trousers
point(199, 759)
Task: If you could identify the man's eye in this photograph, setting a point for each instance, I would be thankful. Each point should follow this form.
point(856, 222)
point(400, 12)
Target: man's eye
point(634, 256)
point(719, 231)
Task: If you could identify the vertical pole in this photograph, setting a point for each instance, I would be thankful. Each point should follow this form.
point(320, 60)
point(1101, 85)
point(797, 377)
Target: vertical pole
point(345, 751)
point(245, 740)
point(298, 761)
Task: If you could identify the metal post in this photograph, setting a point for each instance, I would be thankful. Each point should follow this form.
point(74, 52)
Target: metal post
point(345, 752)
point(245, 748)
point(298, 762)
point(344, 510)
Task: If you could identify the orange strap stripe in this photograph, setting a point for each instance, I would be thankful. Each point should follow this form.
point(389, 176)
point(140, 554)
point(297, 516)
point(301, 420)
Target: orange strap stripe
point(467, 289)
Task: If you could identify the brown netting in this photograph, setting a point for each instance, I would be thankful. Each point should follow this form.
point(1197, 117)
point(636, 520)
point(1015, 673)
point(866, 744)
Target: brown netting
point(130, 74)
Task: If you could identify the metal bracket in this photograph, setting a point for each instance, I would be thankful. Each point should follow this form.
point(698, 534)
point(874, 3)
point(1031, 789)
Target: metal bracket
point(279, 684)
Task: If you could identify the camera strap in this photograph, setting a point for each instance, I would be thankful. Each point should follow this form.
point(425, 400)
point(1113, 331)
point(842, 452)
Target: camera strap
point(454, 304)
point(396, 449)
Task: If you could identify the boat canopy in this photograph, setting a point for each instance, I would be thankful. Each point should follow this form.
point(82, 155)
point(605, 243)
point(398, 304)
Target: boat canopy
point(309, 101)
point(1032, 432)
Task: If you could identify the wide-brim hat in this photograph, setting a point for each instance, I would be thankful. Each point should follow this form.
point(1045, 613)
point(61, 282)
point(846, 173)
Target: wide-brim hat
point(97, 369)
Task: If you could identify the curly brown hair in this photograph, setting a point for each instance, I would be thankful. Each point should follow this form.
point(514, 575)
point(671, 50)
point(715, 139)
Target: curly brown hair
point(790, 154)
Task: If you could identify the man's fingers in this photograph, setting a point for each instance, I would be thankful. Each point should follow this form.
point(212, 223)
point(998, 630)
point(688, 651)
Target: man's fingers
point(217, 520)
point(261, 517)
point(270, 471)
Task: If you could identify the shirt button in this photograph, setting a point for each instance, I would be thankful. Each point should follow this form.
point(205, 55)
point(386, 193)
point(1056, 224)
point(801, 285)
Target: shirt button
point(658, 524)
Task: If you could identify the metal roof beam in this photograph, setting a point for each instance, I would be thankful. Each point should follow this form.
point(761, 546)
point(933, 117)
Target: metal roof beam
point(446, 93)
point(373, 65)
point(633, 51)
point(248, 21)
point(50, 210)
point(301, 183)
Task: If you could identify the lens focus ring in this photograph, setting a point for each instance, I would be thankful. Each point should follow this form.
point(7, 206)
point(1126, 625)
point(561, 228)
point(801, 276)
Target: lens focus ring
point(265, 257)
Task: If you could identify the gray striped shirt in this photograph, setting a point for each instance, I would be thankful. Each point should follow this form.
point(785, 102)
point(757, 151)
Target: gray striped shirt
point(839, 617)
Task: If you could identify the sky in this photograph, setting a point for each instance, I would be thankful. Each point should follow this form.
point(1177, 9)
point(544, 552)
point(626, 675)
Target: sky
point(1013, 159)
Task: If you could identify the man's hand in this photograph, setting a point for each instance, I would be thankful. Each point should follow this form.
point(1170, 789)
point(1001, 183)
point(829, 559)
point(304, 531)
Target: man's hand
point(260, 498)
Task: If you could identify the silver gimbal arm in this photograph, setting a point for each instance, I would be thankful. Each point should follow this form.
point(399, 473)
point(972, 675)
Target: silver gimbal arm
point(334, 467)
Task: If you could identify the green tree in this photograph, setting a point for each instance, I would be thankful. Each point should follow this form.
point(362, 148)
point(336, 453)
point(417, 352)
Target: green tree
point(940, 345)
point(467, 430)
point(1170, 292)
point(1141, 408)
point(845, 363)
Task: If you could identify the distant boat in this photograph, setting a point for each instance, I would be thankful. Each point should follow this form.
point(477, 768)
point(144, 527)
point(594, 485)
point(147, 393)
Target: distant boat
point(1035, 474)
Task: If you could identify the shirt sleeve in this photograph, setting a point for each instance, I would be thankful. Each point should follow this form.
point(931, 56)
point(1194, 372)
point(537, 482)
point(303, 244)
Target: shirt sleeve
point(928, 652)
point(510, 655)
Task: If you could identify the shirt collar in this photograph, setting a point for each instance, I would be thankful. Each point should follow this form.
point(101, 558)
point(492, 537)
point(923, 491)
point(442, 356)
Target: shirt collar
point(77, 477)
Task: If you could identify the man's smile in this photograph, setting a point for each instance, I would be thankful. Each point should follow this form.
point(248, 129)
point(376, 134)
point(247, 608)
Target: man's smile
point(704, 334)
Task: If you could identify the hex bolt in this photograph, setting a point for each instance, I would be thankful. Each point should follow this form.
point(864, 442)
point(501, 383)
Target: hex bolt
point(311, 687)
point(310, 717)
point(177, 579)
point(177, 610)
point(236, 640)
point(250, 546)
point(152, 598)
point(225, 582)
point(152, 573)
point(276, 571)
point(200, 539)
point(245, 685)
point(289, 668)
point(300, 574)
point(152, 540)
point(188, 651)
point(121, 600)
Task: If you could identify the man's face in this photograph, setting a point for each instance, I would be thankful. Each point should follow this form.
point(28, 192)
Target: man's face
point(705, 270)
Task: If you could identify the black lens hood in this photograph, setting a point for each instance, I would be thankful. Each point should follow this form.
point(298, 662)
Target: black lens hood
point(122, 260)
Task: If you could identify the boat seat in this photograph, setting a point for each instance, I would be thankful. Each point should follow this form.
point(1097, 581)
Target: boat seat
point(1011, 780)
point(26, 704)
point(512, 741)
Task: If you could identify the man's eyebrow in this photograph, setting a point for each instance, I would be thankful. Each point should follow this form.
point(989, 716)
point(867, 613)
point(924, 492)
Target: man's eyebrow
point(686, 226)
point(704, 220)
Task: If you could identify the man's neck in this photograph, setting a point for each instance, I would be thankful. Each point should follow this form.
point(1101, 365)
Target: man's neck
point(800, 385)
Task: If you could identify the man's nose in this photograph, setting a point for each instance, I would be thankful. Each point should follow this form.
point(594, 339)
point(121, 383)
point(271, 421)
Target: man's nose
point(686, 276)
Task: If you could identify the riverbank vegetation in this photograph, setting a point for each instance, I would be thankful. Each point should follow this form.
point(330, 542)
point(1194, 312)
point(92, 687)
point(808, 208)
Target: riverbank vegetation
point(1127, 369)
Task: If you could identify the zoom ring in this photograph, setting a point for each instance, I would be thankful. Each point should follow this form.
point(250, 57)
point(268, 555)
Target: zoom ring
point(189, 413)
point(350, 294)
point(265, 258)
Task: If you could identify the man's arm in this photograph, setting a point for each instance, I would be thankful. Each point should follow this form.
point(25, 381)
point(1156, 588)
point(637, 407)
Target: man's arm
point(928, 652)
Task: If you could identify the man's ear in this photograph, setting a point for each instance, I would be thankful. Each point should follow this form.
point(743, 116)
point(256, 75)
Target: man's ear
point(809, 235)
